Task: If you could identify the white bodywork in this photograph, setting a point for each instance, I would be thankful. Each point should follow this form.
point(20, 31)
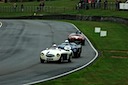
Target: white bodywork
point(55, 54)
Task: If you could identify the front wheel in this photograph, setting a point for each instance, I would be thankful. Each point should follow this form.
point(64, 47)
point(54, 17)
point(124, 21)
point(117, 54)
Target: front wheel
point(42, 61)
point(79, 54)
point(83, 42)
point(69, 60)
point(60, 60)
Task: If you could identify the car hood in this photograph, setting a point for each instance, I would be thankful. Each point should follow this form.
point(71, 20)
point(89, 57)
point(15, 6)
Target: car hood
point(53, 51)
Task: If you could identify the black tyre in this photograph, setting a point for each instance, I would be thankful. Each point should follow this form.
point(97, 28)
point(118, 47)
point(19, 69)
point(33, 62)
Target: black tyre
point(83, 42)
point(79, 54)
point(42, 61)
point(60, 60)
point(69, 60)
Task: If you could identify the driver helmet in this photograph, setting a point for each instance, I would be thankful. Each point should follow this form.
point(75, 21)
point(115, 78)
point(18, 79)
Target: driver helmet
point(78, 32)
point(54, 45)
point(66, 41)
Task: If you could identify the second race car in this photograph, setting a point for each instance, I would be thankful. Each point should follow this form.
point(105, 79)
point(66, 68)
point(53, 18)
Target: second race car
point(76, 48)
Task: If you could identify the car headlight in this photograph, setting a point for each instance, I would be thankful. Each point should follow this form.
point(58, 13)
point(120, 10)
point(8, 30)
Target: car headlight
point(42, 54)
point(58, 55)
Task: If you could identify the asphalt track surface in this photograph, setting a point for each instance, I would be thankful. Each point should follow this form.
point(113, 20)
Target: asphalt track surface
point(21, 42)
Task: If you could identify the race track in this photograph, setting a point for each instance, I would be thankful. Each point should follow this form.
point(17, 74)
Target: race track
point(21, 42)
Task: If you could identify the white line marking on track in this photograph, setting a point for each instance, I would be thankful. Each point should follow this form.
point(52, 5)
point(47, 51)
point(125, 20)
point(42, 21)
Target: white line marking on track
point(0, 24)
point(72, 70)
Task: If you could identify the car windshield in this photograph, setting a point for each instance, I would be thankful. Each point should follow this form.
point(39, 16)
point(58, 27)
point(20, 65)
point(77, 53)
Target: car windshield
point(75, 34)
point(73, 43)
point(65, 44)
point(54, 47)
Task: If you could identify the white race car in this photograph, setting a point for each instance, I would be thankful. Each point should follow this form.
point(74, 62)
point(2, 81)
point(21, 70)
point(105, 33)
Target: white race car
point(56, 54)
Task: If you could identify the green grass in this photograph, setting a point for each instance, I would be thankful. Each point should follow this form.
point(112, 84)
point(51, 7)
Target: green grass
point(107, 69)
point(19, 3)
point(60, 3)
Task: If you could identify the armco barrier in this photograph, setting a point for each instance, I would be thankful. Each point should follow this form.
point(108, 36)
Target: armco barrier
point(75, 17)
